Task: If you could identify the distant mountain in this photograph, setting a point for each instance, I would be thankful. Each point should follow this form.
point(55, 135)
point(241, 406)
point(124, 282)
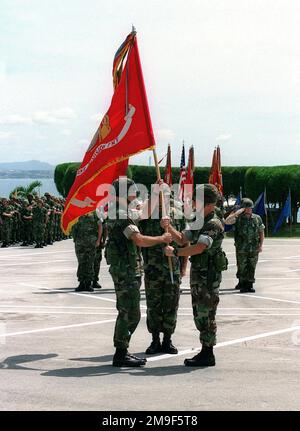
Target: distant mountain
point(30, 165)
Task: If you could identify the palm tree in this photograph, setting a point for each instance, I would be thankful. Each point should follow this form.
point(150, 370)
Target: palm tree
point(23, 192)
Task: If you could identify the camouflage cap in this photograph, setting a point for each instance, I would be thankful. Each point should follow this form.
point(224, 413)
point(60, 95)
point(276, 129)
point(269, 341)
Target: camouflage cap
point(210, 192)
point(247, 203)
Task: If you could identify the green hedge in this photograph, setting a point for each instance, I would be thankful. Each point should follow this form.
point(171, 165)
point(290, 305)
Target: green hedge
point(253, 180)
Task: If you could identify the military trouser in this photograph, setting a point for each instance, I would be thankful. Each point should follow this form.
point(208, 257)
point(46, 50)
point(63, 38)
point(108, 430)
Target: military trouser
point(27, 232)
point(97, 262)
point(85, 253)
point(246, 265)
point(129, 314)
point(205, 300)
point(6, 231)
point(38, 232)
point(162, 298)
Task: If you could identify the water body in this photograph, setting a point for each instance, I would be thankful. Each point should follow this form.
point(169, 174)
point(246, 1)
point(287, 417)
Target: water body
point(8, 184)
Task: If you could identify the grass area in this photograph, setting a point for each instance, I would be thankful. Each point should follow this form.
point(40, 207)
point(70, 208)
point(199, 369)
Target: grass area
point(287, 232)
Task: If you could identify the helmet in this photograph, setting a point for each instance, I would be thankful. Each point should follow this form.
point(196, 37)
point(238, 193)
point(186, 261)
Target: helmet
point(123, 185)
point(247, 203)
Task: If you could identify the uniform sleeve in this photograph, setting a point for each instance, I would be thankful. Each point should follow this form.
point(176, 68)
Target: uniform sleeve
point(188, 234)
point(206, 240)
point(261, 226)
point(130, 230)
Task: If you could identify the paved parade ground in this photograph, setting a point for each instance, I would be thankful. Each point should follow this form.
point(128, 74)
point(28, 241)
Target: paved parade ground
point(56, 345)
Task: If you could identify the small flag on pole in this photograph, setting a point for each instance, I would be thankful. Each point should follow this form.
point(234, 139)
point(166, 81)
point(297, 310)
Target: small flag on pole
point(285, 213)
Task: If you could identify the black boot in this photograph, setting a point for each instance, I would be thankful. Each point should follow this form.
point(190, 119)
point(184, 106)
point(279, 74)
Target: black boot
point(250, 287)
point(81, 287)
point(123, 359)
point(205, 358)
point(238, 286)
point(96, 285)
point(137, 357)
point(167, 346)
point(243, 286)
point(88, 286)
point(155, 346)
point(4, 245)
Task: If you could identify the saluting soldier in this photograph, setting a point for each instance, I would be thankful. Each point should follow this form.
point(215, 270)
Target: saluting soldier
point(248, 240)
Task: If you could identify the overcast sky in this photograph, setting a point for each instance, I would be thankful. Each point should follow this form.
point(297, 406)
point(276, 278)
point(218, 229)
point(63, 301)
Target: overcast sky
point(221, 72)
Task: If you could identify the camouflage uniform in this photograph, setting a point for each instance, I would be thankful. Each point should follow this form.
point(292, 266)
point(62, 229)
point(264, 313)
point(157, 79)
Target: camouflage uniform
point(27, 224)
point(125, 268)
point(6, 224)
point(85, 235)
point(205, 277)
point(162, 296)
point(39, 217)
point(50, 221)
point(246, 237)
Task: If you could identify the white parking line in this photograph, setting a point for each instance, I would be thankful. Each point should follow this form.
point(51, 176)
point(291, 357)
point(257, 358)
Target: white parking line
point(227, 343)
point(37, 262)
point(8, 256)
point(55, 328)
point(267, 298)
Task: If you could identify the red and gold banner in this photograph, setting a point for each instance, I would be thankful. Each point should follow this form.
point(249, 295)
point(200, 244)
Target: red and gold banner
point(215, 176)
point(125, 130)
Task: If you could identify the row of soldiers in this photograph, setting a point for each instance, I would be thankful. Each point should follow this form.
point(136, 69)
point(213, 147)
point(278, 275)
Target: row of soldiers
point(34, 220)
point(138, 246)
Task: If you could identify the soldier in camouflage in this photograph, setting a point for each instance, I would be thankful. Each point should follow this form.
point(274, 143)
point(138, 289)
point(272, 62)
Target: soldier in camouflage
point(162, 296)
point(248, 240)
point(86, 235)
point(7, 221)
point(207, 263)
point(39, 220)
point(124, 260)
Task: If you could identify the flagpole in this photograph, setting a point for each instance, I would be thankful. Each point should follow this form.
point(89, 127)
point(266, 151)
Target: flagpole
point(290, 211)
point(163, 207)
point(267, 217)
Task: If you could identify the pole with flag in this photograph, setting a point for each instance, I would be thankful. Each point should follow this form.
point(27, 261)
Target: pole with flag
point(215, 176)
point(182, 175)
point(168, 170)
point(285, 213)
point(125, 130)
point(190, 172)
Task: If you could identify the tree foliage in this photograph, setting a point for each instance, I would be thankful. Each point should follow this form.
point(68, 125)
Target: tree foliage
point(24, 191)
point(253, 180)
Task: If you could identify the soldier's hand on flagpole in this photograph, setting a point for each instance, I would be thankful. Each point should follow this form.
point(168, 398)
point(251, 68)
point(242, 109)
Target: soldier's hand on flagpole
point(169, 251)
point(166, 238)
point(165, 222)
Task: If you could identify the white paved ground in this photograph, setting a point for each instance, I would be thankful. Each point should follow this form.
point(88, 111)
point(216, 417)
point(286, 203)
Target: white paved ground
point(56, 345)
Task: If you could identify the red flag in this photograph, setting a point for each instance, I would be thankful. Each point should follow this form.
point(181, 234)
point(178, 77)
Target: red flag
point(125, 130)
point(168, 170)
point(182, 175)
point(215, 176)
point(190, 168)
